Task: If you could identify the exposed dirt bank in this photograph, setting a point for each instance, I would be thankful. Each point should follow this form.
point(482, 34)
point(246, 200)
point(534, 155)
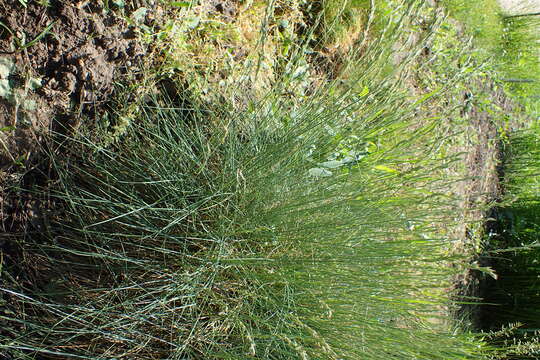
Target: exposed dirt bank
point(59, 60)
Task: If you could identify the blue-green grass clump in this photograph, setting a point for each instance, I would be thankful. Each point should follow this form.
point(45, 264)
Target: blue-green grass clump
point(309, 234)
point(310, 228)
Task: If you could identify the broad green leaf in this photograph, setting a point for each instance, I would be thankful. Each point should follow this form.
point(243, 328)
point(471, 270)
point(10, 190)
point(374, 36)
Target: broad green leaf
point(34, 83)
point(192, 22)
point(319, 172)
point(5, 88)
point(139, 15)
point(6, 67)
point(7, 128)
point(332, 164)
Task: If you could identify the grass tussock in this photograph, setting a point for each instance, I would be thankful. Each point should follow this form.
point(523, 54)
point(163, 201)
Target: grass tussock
point(303, 226)
point(286, 231)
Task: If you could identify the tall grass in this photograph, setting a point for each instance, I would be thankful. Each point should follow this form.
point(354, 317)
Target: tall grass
point(513, 299)
point(523, 164)
point(510, 43)
point(482, 20)
point(304, 229)
point(274, 236)
point(510, 311)
point(342, 18)
point(520, 51)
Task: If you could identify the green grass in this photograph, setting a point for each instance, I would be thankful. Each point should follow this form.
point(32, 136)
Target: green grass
point(302, 228)
point(311, 226)
point(341, 19)
point(514, 251)
point(520, 51)
point(509, 43)
point(482, 20)
point(201, 239)
point(522, 180)
point(510, 51)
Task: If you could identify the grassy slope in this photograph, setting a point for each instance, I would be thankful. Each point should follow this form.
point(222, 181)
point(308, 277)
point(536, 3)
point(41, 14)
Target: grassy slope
point(510, 44)
point(309, 216)
point(514, 248)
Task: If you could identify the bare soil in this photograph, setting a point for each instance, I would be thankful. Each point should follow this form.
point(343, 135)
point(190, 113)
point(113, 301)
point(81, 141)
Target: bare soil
point(66, 76)
point(60, 63)
point(71, 71)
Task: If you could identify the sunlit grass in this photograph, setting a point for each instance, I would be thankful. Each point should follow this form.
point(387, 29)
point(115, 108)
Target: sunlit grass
point(284, 227)
point(482, 20)
point(509, 43)
point(199, 241)
point(300, 228)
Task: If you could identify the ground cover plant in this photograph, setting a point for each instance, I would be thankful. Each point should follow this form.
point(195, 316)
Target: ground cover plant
point(310, 217)
point(242, 269)
point(513, 250)
point(509, 40)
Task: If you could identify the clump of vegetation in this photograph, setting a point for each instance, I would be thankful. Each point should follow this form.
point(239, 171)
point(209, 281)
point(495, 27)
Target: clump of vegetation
point(509, 42)
point(300, 228)
point(307, 219)
point(270, 234)
point(343, 21)
point(512, 300)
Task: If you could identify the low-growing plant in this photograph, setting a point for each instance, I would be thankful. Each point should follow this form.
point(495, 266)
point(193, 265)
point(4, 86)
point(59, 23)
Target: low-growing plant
point(278, 233)
point(290, 227)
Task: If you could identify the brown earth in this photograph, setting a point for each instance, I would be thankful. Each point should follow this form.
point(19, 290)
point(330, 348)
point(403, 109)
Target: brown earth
point(59, 66)
point(81, 51)
point(67, 75)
